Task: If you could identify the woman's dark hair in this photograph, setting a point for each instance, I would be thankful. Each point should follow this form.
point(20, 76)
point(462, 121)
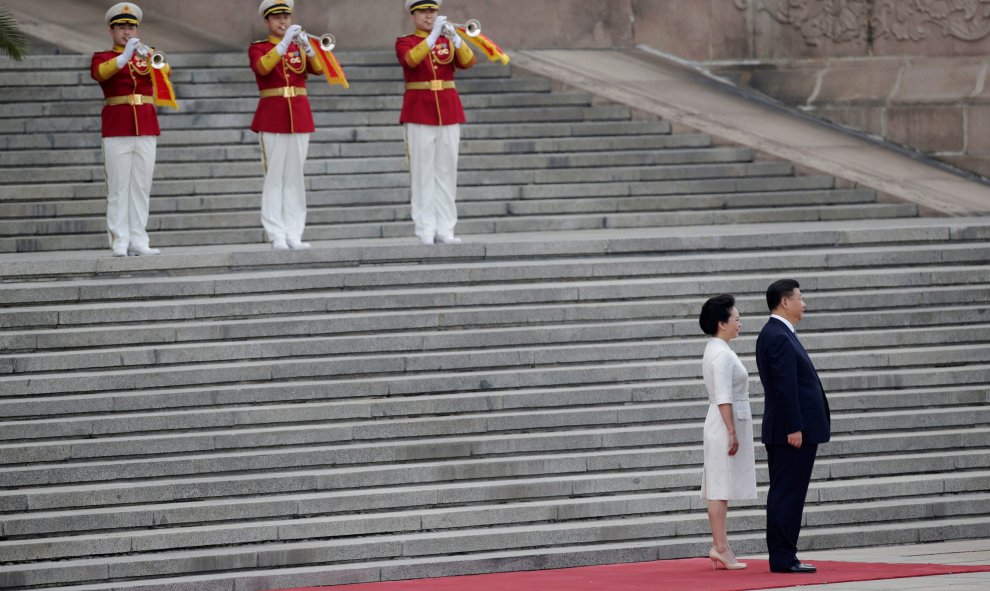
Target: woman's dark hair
point(780, 289)
point(716, 309)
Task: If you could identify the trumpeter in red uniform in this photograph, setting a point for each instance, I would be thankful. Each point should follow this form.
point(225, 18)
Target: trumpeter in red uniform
point(432, 114)
point(284, 121)
point(130, 128)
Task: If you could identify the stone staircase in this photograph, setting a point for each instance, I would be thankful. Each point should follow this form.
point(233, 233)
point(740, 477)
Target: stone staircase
point(224, 417)
point(532, 160)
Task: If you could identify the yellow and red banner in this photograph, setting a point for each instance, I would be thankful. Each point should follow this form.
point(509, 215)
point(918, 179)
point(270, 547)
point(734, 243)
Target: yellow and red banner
point(486, 45)
point(331, 67)
point(162, 89)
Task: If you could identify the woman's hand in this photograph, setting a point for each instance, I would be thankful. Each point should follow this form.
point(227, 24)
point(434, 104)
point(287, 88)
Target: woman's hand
point(733, 443)
point(726, 411)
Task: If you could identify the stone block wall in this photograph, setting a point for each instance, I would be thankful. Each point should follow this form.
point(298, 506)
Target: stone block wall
point(374, 24)
point(700, 30)
point(712, 30)
point(939, 105)
point(910, 71)
point(225, 25)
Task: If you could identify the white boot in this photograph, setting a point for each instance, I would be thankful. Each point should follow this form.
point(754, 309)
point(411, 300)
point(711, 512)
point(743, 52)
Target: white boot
point(142, 251)
point(448, 239)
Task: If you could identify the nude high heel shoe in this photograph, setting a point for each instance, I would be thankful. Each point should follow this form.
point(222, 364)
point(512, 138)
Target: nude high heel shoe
point(728, 561)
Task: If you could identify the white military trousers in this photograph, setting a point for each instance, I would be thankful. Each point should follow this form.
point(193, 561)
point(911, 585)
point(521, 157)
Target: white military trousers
point(283, 200)
point(130, 166)
point(433, 152)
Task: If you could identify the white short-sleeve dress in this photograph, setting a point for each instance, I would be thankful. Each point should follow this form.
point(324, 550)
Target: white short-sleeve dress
point(727, 477)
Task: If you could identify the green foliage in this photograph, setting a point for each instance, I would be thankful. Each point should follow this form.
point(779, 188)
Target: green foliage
point(12, 40)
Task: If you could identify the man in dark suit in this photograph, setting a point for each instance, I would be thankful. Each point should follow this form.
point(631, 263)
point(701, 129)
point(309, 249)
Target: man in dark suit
point(795, 421)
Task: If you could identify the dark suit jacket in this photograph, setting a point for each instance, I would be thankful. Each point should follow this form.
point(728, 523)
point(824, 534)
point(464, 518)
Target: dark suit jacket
point(795, 400)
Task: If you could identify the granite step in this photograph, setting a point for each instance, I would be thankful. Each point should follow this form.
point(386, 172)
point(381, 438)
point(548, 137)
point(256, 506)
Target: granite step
point(390, 99)
point(673, 268)
point(616, 341)
point(570, 489)
point(382, 443)
point(57, 425)
point(896, 454)
point(464, 521)
point(90, 94)
point(425, 544)
point(483, 217)
point(499, 322)
point(473, 284)
point(475, 199)
point(174, 121)
point(231, 216)
point(238, 150)
point(833, 238)
point(535, 131)
point(238, 72)
point(490, 224)
point(639, 384)
point(536, 183)
point(539, 168)
point(605, 551)
point(622, 361)
point(325, 159)
point(359, 430)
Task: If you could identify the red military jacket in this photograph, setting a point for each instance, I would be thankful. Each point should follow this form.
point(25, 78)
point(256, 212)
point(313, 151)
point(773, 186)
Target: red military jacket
point(126, 119)
point(286, 112)
point(427, 106)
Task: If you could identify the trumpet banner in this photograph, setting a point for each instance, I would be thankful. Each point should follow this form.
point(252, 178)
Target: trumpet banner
point(486, 45)
point(162, 90)
point(331, 67)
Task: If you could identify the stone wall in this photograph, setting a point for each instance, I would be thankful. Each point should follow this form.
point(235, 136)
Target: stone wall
point(225, 25)
point(939, 105)
point(374, 24)
point(710, 30)
point(910, 71)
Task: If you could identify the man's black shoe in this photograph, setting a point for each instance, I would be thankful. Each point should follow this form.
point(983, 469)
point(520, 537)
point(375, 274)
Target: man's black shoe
point(798, 567)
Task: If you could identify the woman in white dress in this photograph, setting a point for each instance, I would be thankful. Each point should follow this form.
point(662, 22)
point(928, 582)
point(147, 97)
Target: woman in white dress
point(730, 464)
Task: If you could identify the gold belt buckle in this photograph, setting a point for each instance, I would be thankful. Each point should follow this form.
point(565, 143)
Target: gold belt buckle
point(436, 84)
point(288, 91)
point(135, 99)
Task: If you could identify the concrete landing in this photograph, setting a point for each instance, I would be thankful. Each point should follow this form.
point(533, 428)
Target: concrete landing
point(568, 242)
point(961, 552)
point(650, 83)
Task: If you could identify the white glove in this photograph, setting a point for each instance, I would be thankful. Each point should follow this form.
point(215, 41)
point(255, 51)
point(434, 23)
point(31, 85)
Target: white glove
point(290, 35)
point(303, 40)
point(457, 41)
point(129, 50)
point(438, 25)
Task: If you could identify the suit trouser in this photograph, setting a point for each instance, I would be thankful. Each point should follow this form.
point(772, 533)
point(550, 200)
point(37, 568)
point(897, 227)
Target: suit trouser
point(283, 199)
point(433, 152)
point(790, 475)
point(130, 166)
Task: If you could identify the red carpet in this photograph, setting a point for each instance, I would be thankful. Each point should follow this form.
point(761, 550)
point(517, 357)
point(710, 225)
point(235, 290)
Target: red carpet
point(693, 574)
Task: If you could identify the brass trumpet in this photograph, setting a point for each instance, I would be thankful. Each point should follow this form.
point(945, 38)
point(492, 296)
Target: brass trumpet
point(472, 28)
point(157, 58)
point(327, 42)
